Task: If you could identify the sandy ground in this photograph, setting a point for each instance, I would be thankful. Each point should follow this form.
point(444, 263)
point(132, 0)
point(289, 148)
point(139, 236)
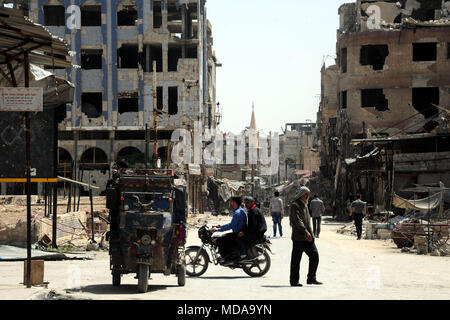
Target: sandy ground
point(350, 269)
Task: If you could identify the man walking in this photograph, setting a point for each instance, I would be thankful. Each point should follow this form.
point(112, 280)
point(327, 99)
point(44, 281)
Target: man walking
point(277, 212)
point(302, 239)
point(317, 209)
point(358, 209)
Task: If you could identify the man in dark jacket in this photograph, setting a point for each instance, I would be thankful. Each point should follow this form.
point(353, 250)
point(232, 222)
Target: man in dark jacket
point(255, 229)
point(302, 239)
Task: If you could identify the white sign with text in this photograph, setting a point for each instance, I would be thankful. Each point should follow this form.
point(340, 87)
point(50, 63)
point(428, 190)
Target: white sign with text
point(21, 99)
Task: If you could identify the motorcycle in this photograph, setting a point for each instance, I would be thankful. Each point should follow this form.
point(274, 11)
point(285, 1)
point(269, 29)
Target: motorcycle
point(220, 248)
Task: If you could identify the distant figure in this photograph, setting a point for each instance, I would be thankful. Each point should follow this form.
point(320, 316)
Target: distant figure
point(317, 209)
point(257, 202)
point(277, 212)
point(359, 209)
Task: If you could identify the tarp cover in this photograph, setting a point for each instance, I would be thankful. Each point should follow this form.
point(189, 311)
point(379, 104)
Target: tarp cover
point(426, 204)
point(57, 91)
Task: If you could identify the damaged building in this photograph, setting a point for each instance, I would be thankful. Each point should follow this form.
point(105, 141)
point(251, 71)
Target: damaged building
point(298, 151)
point(116, 44)
point(383, 117)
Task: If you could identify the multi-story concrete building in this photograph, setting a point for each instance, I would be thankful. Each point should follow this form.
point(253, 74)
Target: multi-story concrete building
point(383, 118)
point(298, 151)
point(394, 62)
point(116, 43)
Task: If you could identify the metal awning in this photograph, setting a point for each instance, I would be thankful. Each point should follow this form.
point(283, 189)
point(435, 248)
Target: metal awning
point(18, 35)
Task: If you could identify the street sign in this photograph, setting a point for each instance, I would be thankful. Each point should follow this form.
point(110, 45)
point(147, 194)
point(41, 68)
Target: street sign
point(21, 99)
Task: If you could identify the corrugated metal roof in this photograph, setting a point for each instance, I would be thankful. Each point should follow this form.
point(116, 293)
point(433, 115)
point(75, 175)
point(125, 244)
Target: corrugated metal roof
point(18, 34)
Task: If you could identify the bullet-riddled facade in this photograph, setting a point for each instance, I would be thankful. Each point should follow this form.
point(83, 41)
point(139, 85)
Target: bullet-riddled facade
point(115, 44)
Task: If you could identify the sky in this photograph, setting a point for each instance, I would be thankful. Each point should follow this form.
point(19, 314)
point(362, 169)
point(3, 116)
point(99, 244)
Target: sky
point(272, 53)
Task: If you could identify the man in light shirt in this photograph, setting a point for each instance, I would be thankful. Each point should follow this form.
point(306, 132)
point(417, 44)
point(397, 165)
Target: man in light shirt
point(317, 209)
point(277, 211)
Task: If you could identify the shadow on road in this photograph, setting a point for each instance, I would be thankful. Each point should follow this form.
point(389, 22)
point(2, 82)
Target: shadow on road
point(123, 289)
point(225, 277)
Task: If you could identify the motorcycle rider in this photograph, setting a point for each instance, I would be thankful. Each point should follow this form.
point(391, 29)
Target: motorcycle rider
point(254, 230)
point(239, 220)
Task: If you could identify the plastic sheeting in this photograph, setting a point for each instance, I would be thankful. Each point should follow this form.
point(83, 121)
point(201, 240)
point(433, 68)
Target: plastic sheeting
point(57, 91)
point(425, 204)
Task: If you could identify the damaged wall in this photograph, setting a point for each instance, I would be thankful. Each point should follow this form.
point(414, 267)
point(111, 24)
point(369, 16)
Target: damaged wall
point(398, 77)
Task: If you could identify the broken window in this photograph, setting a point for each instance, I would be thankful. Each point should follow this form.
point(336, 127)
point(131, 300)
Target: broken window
point(374, 55)
point(64, 156)
point(156, 54)
point(129, 135)
point(173, 100)
point(343, 60)
point(374, 98)
point(173, 12)
point(94, 135)
point(128, 57)
point(422, 100)
point(128, 102)
point(94, 155)
point(91, 16)
point(91, 59)
point(92, 104)
point(425, 51)
point(343, 100)
point(131, 156)
point(54, 16)
point(157, 14)
point(427, 10)
point(159, 98)
point(127, 16)
point(174, 54)
point(191, 52)
point(448, 50)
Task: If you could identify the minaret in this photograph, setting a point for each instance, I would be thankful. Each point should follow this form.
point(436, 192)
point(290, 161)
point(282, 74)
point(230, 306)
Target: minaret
point(253, 121)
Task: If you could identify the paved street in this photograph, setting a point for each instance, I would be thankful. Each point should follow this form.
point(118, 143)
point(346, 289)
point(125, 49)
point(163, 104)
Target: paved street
point(350, 269)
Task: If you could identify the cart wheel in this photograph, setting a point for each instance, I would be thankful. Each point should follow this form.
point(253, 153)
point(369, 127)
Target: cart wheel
point(116, 277)
point(181, 275)
point(143, 278)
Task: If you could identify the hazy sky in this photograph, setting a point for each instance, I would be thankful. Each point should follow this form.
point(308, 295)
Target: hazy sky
point(271, 52)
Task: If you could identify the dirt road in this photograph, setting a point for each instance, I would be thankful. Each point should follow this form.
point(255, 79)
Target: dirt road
point(350, 269)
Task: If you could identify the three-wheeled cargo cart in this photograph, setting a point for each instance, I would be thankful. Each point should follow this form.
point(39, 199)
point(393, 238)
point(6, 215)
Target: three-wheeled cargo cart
point(148, 225)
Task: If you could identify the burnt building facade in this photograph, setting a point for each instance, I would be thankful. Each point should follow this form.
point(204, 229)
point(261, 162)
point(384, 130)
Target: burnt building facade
point(386, 99)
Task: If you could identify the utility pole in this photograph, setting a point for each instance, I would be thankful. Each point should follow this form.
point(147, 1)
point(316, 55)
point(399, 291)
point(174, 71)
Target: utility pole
point(155, 114)
point(28, 163)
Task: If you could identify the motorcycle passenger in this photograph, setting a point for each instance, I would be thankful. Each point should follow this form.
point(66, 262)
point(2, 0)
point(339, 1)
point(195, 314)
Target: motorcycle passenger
point(239, 220)
point(255, 229)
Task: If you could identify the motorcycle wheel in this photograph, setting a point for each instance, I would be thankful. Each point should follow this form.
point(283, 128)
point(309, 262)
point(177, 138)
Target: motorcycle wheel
point(181, 274)
point(260, 267)
point(143, 278)
point(199, 267)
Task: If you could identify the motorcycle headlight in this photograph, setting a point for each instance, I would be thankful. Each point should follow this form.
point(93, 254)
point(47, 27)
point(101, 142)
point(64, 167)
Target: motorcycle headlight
point(146, 240)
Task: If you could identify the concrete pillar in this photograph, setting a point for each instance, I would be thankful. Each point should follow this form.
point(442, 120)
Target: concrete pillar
point(164, 14)
point(165, 56)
